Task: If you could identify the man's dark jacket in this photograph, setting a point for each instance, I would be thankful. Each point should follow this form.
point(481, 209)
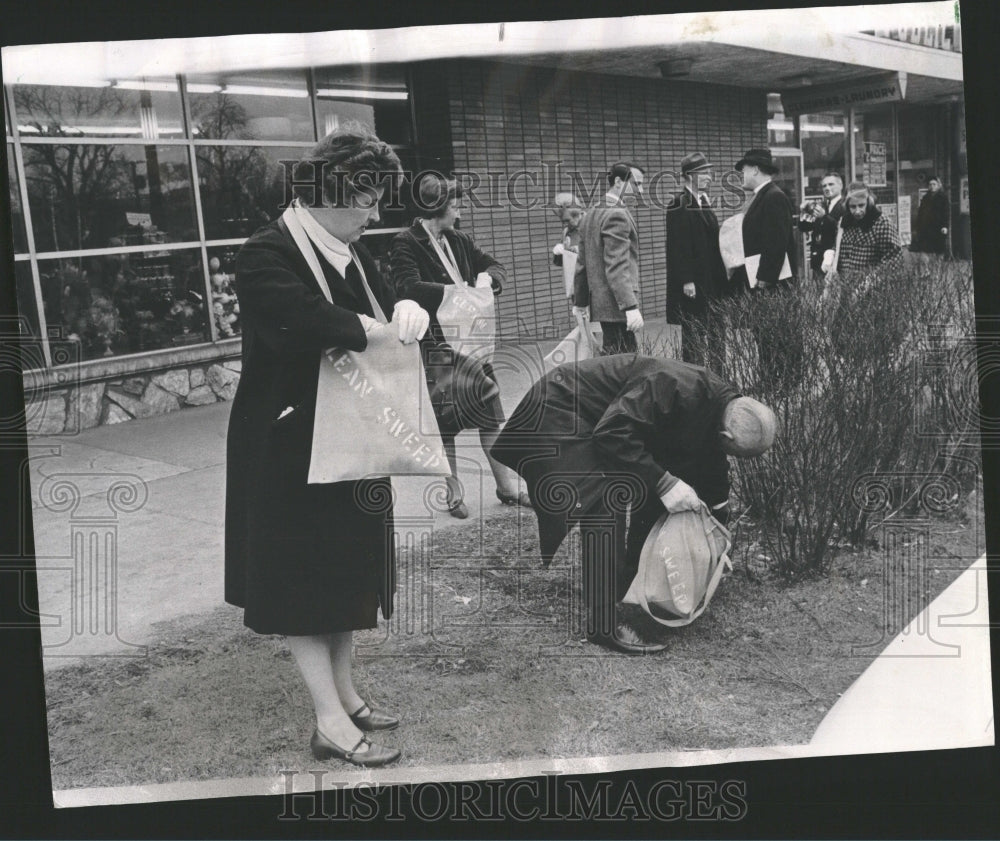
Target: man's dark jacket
point(589, 435)
point(767, 230)
point(693, 256)
point(824, 232)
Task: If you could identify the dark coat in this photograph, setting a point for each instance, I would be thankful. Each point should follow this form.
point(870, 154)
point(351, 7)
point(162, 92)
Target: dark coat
point(932, 216)
point(301, 559)
point(767, 230)
point(823, 233)
point(693, 256)
point(591, 434)
point(418, 273)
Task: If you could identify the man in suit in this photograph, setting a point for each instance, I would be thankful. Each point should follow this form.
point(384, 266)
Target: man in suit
point(820, 221)
point(607, 267)
point(769, 249)
point(609, 444)
point(695, 272)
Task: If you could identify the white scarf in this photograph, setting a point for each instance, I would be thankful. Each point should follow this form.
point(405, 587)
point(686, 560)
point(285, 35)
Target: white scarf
point(445, 255)
point(337, 253)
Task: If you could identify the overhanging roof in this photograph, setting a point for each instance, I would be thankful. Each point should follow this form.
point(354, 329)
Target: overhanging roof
point(773, 49)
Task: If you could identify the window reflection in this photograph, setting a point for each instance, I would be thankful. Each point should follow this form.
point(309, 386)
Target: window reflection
point(26, 307)
point(242, 187)
point(126, 303)
point(103, 196)
point(271, 106)
point(16, 211)
point(375, 97)
point(144, 108)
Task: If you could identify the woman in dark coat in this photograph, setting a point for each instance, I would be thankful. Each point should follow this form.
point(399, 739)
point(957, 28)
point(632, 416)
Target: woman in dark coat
point(932, 220)
point(312, 562)
point(425, 259)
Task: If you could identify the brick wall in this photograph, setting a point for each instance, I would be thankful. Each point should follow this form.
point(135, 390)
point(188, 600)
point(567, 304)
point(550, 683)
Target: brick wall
point(504, 118)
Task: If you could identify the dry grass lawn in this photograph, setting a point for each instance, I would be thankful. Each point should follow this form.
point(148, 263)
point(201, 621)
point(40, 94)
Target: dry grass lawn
point(484, 662)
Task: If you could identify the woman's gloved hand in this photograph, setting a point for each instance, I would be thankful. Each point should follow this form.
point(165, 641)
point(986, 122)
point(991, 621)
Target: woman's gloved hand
point(411, 319)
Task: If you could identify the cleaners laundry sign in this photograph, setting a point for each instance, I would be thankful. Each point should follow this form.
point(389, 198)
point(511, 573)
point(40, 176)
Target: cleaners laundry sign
point(889, 87)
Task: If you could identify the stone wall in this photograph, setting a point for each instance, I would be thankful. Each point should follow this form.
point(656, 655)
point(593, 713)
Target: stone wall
point(73, 408)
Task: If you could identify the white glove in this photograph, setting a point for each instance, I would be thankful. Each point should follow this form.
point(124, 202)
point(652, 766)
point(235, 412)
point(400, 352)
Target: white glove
point(558, 249)
point(633, 321)
point(484, 280)
point(827, 261)
point(681, 497)
point(412, 320)
point(689, 290)
point(583, 312)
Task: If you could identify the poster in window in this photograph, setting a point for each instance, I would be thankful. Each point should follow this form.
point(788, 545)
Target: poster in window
point(875, 164)
point(905, 220)
point(963, 196)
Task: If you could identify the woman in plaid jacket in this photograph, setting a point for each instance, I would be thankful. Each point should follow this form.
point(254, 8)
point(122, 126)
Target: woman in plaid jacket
point(868, 242)
point(868, 248)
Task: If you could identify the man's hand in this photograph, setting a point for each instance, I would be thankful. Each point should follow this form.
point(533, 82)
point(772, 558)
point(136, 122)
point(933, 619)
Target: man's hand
point(817, 211)
point(633, 321)
point(827, 266)
point(689, 290)
point(681, 497)
point(412, 320)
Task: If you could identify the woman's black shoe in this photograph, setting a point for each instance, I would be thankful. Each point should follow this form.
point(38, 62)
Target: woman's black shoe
point(375, 757)
point(373, 720)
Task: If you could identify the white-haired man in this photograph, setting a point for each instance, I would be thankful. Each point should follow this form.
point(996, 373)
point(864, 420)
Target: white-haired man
point(620, 434)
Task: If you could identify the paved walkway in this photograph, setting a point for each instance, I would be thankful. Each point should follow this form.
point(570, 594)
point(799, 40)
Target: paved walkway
point(128, 518)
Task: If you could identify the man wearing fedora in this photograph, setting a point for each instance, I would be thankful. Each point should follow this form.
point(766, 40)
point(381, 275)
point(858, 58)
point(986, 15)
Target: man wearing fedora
point(696, 274)
point(769, 249)
point(609, 443)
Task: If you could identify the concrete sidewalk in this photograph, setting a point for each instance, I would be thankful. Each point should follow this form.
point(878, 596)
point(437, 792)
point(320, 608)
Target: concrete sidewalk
point(128, 518)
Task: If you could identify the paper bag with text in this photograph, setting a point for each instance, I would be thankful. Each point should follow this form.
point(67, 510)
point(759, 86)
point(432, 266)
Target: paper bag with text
point(368, 420)
point(468, 320)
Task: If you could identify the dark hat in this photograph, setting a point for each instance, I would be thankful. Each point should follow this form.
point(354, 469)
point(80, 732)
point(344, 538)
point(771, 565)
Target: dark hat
point(760, 158)
point(695, 162)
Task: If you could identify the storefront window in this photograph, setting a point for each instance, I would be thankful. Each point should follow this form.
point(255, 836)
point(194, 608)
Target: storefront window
point(147, 108)
point(105, 196)
point(375, 97)
point(16, 211)
point(242, 187)
point(222, 276)
point(874, 153)
point(780, 129)
point(824, 147)
point(257, 106)
point(126, 303)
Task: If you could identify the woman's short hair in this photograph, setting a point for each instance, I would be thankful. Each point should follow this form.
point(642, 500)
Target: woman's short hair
point(353, 161)
point(434, 193)
point(858, 190)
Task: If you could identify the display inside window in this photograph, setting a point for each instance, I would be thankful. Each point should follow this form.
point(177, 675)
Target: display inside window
point(250, 106)
point(242, 187)
point(126, 303)
point(222, 278)
point(780, 128)
point(106, 196)
point(16, 210)
point(147, 108)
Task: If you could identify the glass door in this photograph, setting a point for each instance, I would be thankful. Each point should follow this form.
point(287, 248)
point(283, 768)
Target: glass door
point(790, 177)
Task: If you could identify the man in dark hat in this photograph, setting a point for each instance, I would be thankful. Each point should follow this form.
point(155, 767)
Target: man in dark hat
point(769, 249)
point(695, 272)
point(626, 434)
